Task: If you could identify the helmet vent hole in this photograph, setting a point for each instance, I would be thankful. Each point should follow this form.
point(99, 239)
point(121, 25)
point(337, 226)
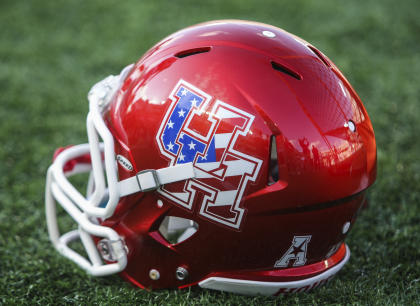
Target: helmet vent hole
point(286, 70)
point(320, 55)
point(190, 52)
point(176, 230)
point(273, 171)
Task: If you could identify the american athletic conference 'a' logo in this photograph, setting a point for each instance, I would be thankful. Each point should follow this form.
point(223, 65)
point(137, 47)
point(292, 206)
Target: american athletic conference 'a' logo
point(191, 131)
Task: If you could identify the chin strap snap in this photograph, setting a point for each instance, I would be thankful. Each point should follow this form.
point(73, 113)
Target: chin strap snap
point(148, 180)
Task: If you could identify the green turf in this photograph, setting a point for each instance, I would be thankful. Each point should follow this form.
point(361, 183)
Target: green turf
point(51, 52)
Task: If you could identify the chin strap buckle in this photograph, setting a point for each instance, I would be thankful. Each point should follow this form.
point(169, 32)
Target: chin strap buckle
point(148, 180)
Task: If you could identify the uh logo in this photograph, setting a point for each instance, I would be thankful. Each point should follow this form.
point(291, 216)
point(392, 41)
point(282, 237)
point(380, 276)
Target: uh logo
point(192, 131)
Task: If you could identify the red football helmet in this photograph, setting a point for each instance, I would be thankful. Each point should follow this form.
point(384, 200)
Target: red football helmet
point(233, 155)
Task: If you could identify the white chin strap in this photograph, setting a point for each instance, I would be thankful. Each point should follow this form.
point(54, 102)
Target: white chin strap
point(87, 211)
point(148, 180)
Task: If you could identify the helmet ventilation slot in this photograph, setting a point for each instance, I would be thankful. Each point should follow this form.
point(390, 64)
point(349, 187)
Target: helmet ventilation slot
point(319, 55)
point(194, 51)
point(176, 230)
point(286, 70)
point(273, 170)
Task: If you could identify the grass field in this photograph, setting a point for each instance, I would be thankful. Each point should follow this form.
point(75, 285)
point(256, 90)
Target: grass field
point(51, 52)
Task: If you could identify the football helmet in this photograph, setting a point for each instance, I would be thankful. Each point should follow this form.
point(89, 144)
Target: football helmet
point(233, 155)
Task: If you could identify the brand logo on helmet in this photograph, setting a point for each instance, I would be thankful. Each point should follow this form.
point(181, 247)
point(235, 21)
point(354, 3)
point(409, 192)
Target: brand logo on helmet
point(193, 131)
point(124, 162)
point(296, 252)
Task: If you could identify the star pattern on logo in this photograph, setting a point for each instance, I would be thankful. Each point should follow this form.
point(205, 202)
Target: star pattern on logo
point(170, 146)
point(170, 124)
point(181, 136)
point(194, 102)
point(184, 92)
point(191, 145)
point(181, 157)
point(181, 113)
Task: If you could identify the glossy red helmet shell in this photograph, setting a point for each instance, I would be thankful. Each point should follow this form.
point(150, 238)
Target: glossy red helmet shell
point(326, 154)
point(294, 148)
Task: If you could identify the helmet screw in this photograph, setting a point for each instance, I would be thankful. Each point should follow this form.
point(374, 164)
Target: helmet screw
point(181, 273)
point(154, 274)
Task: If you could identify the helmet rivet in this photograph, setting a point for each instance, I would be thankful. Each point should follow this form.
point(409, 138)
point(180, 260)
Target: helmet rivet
point(268, 34)
point(181, 273)
point(351, 125)
point(159, 203)
point(154, 274)
point(346, 227)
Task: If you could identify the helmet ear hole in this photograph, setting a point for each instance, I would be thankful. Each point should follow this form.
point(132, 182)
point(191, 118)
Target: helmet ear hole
point(176, 229)
point(273, 170)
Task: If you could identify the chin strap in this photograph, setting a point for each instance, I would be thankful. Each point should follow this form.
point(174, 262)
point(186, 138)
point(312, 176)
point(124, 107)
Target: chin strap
point(148, 180)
